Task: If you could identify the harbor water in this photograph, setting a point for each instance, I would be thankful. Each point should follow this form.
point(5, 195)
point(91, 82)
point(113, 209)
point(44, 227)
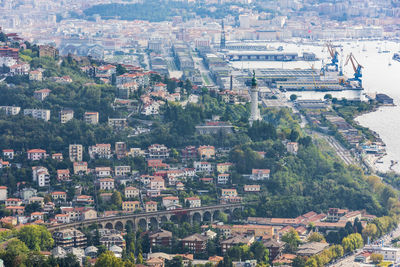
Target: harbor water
point(381, 74)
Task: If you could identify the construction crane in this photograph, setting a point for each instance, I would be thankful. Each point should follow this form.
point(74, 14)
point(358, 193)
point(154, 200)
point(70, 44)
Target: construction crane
point(356, 67)
point(334, 54)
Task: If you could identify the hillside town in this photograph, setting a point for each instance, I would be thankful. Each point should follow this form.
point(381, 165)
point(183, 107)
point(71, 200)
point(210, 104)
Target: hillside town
point(134, 139)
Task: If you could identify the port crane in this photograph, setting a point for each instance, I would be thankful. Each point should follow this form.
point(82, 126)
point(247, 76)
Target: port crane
point(356, 67)
point(334, 55)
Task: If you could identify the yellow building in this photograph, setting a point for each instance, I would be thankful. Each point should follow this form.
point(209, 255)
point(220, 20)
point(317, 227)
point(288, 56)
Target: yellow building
point(130, 206)
point(247, 229)
point(206, 152)
point(224, 167)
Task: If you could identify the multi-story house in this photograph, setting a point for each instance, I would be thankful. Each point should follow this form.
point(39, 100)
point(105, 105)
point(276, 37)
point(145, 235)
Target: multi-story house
point(13, 202)
point(190, 172)
point(120, 150)
point(106, 184)
point(41, 176)
point(42, 114)
point(91, 117)
point(259, 174)
point(111, 240)
point(103, 172)
point(122, 170)
point(174, 175)
point(157, 183)
point(57, 156)
point(41, 94)
point(196, 243)
point(236, 240)
point(206, 152)
point(157, 151)
point(75, 152)
point(189, 153)
point(193, 202)
point(203, 166)
point(223, 178)
point(6, 51)
point(100, 151)
point(59, 195)
point(251, 188)
point(62, 218)
point(136, 152)
point(36, 75)
point(48, 51)
point(80, 168)
point(157, 164)
point(171, 203)
point(16, 210)
point(105, 71)
point(36, 154)
point(66, 115)
point(10, 110)
point(84, 200)
point(69, 238)
point(36, 199)
point(292, 147)
point(160, 238)
point(228, 193)
point(8, 153)
point(37, 216)
point(224, 167)
point(130, 206)
point(117, 123)
point(150, 206)
point(63, 175)
point(131, 192)
point(3, 193)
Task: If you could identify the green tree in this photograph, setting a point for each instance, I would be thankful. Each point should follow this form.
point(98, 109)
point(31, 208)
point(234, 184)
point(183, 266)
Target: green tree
point(116, 199)
point(139, 259)
point(292, 240)
point(316, 237)
point(293, 97)
point(370, 231)
point(36, 237)
point(376, 258)
point(15, 253)
point(261, 253)
point(108, 259)
point(299, 262)
point(352, 242)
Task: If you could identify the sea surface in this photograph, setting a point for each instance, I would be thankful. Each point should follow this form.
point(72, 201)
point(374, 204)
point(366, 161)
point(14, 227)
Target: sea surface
point(381, 74)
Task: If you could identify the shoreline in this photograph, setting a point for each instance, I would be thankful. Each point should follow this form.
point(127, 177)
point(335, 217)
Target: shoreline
point(371, 160)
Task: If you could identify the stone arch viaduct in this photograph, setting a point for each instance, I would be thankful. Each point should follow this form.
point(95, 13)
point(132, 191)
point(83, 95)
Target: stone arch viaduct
point(147, 220)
